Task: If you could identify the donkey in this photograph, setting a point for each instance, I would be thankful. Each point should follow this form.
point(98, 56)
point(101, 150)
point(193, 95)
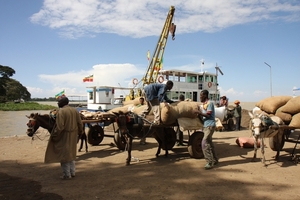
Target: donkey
point(128, 129)
point(48, 122)
point(260, 128)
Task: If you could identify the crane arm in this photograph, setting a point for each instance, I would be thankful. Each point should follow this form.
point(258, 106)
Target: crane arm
point(156, 62)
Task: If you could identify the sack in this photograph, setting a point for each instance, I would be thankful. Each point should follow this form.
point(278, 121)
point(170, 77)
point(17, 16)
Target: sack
point(246, 142)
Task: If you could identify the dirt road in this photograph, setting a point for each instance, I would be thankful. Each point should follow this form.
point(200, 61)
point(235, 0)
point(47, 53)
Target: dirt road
point(102, 174)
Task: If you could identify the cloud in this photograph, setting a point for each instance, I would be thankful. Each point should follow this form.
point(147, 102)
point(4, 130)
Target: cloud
point(72, 82)
point(73, 18)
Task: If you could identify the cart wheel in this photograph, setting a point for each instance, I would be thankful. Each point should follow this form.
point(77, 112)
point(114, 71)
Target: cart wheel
point(230, 124)
point(274, 142)
point(119, 141)
point(171, 138)
point(95, 135)
point(194, 147)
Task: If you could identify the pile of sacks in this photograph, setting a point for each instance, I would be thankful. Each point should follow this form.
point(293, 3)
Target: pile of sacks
point(181, 112)
point(285, 107)
point(95, 115)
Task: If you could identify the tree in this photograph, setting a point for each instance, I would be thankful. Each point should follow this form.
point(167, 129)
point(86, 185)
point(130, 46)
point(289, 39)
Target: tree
point(5, 72)
point(15, 90)
point(11, 89)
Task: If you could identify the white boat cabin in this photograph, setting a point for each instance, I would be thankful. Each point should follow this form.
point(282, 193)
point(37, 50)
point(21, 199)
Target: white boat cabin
point(190, 84)
point(103, 97)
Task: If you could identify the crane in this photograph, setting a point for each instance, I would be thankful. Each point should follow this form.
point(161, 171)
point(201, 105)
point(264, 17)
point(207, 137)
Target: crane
point(156, 61)
point(155, 64)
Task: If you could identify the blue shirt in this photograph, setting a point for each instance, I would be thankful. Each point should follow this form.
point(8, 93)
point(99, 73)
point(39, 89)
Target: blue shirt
point(156, 90)
point(209, 121)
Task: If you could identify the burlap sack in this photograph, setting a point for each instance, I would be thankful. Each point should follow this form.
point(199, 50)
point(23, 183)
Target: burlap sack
point(271, 104)
point(190, 124)
point(186, 109)
point(246, 142)
point(286, 117)
point(124, 109)
point(295, 122)
point(292, 106)
point(135, 101)
point(182, 109)
point(139, 110)
point(168, 114)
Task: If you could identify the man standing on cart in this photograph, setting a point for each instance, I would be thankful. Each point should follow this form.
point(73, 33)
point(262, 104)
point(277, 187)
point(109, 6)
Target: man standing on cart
point(207, 113)
point(155, 93)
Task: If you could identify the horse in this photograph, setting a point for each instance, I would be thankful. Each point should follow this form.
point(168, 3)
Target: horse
point(132, 126)
point(47, 121)
point(260, 128)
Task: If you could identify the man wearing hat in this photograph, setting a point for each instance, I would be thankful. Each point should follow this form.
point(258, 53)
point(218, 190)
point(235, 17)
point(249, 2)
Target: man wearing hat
point(62, 144)
point(237, 115)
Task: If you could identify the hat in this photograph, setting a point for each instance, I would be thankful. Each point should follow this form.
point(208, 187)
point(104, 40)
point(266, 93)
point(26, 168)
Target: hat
point(237, 102)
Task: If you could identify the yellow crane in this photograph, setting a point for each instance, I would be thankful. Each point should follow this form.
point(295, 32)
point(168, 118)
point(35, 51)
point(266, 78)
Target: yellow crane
point(155, 63)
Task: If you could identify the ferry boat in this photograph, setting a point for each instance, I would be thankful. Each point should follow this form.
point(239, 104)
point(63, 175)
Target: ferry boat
point(190, 84)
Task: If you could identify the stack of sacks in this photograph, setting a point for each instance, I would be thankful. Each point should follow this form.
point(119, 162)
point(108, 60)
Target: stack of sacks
point(285, 107)
point(95, 115)
point(292, 110)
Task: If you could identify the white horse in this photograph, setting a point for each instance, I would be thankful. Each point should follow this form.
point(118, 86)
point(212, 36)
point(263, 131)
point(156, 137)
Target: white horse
point(260, 128)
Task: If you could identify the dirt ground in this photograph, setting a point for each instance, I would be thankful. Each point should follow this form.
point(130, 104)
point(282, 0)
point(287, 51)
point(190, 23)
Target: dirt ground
point(102, 174)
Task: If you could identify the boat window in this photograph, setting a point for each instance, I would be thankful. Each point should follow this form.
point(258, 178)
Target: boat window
point(179, 77)
point(200, 86)
point(191, 78)
point(200, 78)
point(91, 95)
point(188, 95)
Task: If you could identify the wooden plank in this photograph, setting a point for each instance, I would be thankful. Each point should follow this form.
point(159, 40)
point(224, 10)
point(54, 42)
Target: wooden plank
point(283, 127)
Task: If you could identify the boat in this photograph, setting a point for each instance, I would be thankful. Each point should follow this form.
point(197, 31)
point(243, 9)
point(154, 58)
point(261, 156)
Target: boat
point(104, 98)
point(190, 84)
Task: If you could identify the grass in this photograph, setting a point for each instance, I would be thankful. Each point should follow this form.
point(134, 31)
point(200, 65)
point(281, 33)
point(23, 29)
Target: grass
point(11, 106)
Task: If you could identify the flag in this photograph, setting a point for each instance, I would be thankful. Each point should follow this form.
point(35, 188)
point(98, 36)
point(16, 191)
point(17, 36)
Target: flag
point(148, 55)
point(61, 94)
point(296, 89)
point(89, 78)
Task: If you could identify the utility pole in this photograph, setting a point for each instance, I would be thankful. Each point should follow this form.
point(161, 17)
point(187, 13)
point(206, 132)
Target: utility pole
point(270, 77)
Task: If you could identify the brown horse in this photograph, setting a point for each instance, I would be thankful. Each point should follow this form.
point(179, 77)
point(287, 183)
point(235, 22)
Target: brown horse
point(48, 122)
point(132, 126)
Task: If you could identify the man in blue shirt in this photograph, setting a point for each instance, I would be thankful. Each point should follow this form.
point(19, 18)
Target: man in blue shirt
point(155, 93)
point(207, 113)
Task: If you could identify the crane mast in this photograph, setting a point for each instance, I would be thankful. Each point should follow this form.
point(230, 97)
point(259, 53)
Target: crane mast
point(157, 58)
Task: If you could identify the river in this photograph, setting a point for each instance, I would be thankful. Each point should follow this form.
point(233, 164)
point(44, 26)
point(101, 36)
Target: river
point(14, 123)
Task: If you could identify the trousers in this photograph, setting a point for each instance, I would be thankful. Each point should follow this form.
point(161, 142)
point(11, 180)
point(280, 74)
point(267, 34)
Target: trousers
point(208, 146)
point(68, 168)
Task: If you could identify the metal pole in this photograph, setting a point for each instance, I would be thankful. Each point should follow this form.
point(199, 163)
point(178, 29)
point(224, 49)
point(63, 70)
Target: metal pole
point(270, 77)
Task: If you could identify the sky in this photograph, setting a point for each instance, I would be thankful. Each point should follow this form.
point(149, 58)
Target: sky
point(52, 45)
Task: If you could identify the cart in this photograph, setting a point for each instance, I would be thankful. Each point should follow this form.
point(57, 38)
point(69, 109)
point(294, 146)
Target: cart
point(291, 134)
point(147, 128)
point(95, 133)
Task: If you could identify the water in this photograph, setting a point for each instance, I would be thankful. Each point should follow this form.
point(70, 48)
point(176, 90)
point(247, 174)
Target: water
point(15, 122)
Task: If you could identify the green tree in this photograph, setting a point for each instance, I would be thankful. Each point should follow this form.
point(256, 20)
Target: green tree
point(11, 89)
point(5, 72)
point(15, 90)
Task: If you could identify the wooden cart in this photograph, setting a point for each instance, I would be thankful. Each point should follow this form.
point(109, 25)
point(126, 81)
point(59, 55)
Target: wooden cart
point(291, 134)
